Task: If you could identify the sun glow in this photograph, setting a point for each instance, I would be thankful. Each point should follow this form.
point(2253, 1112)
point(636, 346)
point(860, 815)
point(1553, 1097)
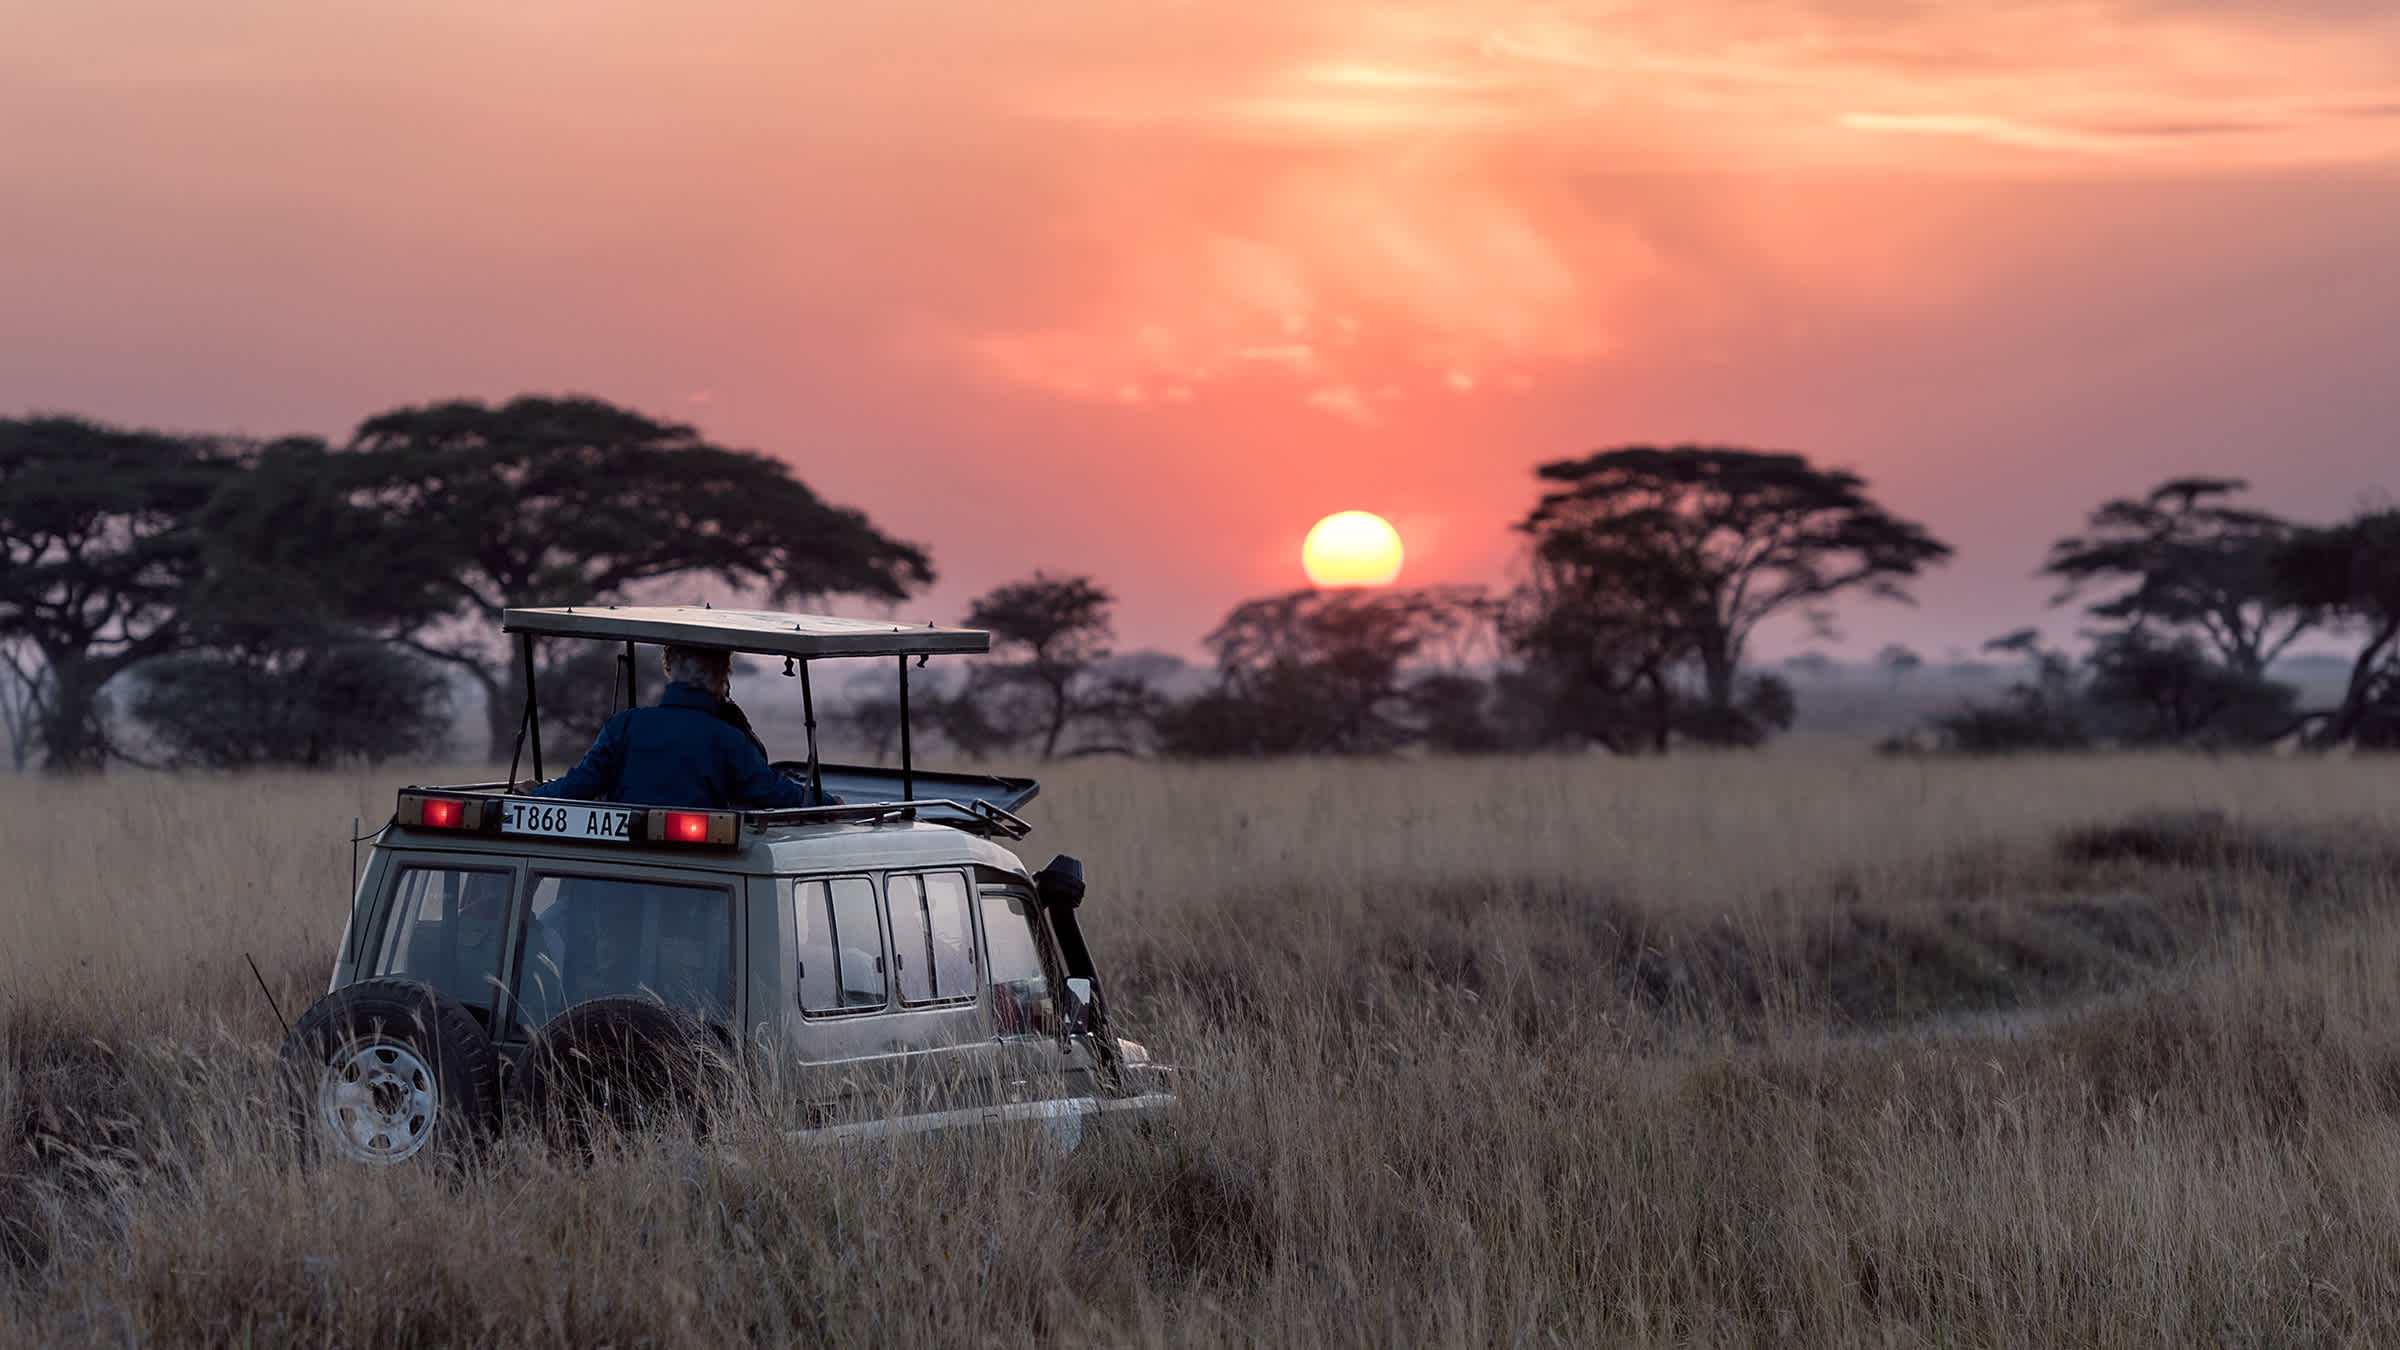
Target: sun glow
point(1352, 548)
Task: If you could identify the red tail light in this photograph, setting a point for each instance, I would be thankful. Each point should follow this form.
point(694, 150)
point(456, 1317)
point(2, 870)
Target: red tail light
point(444, 813)
point(692, 827)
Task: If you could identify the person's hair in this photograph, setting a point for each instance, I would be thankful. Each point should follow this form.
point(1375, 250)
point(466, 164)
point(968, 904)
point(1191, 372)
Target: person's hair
point(703, 666)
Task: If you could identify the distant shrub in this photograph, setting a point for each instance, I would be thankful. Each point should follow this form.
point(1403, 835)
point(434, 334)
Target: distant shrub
point(2144, 691)
point(1762, 706)
point(358, 702)
point(2024, 719)
point(2134, 690)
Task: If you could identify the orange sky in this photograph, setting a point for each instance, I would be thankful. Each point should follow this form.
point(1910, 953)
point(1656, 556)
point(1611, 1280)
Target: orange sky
point(1143, 288)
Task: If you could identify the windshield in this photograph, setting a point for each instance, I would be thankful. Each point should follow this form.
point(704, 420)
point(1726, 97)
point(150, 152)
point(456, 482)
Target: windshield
point(589, 936)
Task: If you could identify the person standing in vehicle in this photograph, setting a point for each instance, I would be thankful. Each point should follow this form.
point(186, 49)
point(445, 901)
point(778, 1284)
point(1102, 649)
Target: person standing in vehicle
point(693, 748)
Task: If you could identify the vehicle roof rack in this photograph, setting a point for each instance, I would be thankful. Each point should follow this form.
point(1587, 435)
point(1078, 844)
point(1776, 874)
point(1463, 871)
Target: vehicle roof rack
point(797, 638)
point(976, 815)
point(764, 632)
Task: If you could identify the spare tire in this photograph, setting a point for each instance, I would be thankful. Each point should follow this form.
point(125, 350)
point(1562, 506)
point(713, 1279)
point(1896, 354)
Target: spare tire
point(386, 1070)
point(621, 1062)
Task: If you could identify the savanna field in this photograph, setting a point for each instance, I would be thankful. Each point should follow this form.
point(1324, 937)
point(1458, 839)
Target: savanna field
point(1808, 1047)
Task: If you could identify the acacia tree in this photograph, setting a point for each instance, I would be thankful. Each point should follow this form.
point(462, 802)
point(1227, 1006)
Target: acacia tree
point(1059, 629)
point(1601, 627)
point(96, 548)
point(1649, 559)
point(557, 501)
point(288, 622)
point(1315, 671)
point(2184, 559)
point(23, 686)
point(2352, 571)
point(2148, 689)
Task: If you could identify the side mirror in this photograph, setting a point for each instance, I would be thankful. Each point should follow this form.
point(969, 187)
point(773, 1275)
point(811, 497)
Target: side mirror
point(1081, 997)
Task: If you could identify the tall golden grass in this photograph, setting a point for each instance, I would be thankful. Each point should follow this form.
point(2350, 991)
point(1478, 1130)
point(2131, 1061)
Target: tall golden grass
point(1704, 1050)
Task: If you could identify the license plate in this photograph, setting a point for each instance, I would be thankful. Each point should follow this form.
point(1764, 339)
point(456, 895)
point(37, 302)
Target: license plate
point(566, 820)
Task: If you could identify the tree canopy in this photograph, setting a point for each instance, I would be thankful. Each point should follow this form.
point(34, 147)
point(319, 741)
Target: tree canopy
point(560, 501)
point(1314, 671)
point(1050, 633)
point(2183, 558)
point(1647, 560)
point(271, 569)
point(97, 549)
point(287, 624)
point(2352, 571)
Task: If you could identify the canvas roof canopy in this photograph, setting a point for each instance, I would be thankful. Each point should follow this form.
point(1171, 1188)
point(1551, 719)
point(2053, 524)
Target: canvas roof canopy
point(765, 632)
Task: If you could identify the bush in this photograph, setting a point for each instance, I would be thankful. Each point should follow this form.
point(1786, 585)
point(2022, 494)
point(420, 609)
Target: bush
point(2024, 719)
point(1762, 706)
point(355, 702)
point(2148, 692)
point(2050, 711)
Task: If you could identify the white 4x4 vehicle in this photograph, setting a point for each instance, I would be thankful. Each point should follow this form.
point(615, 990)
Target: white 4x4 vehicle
point(880, 965)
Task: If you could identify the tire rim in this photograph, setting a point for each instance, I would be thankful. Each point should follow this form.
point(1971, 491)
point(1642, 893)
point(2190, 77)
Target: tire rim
point(378, 1099)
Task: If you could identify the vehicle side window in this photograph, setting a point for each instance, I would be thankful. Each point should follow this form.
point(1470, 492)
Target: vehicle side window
point(933, 941)
point(841, 948)
point(592, 936)
point(1020, 993)
point(446, 927)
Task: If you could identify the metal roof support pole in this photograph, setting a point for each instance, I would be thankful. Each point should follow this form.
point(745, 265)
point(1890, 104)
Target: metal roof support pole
point(808, 717)
point(633, 695)
point(516, 752)
point(908, 768)
point(533, 711)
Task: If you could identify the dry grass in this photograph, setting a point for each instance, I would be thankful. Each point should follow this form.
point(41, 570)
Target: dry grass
point(1744, 1050)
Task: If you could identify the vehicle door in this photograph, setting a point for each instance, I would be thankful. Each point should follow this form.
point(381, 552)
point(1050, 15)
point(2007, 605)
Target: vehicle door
point(651, 932)
point(444, 919)
point(888, 991)
point(1024, 976)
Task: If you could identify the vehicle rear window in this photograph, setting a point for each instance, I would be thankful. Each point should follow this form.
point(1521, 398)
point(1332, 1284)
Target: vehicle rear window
point(841, 945)
point(592, 936)
point(447, 927)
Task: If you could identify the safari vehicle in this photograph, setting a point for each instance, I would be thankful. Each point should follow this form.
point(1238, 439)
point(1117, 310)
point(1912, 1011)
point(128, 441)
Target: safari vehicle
point(883, 964)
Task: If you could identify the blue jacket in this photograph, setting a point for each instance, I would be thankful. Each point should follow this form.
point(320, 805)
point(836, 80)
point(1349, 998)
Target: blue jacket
point(679, 753)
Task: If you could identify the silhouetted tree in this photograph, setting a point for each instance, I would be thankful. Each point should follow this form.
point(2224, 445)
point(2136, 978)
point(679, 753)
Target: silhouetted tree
point(24, 687)
point(1315, 671)
point(1646, 560)
point(976, 722)
point(1600, 639)
point(2144, 690)
point(2185, 560)
point(291, 555)
point(96, 548)
point(1120, 707)
point(2352, 571)
point(1898, 661)
point(1057, 629)
point(2043, 712)
point(549, 501)
point(1451, 710)
point(287, 622)
point(1763, 706)
point(317, 707)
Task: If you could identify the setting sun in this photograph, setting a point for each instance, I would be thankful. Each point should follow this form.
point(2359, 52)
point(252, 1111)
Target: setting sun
point(1352, 548)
